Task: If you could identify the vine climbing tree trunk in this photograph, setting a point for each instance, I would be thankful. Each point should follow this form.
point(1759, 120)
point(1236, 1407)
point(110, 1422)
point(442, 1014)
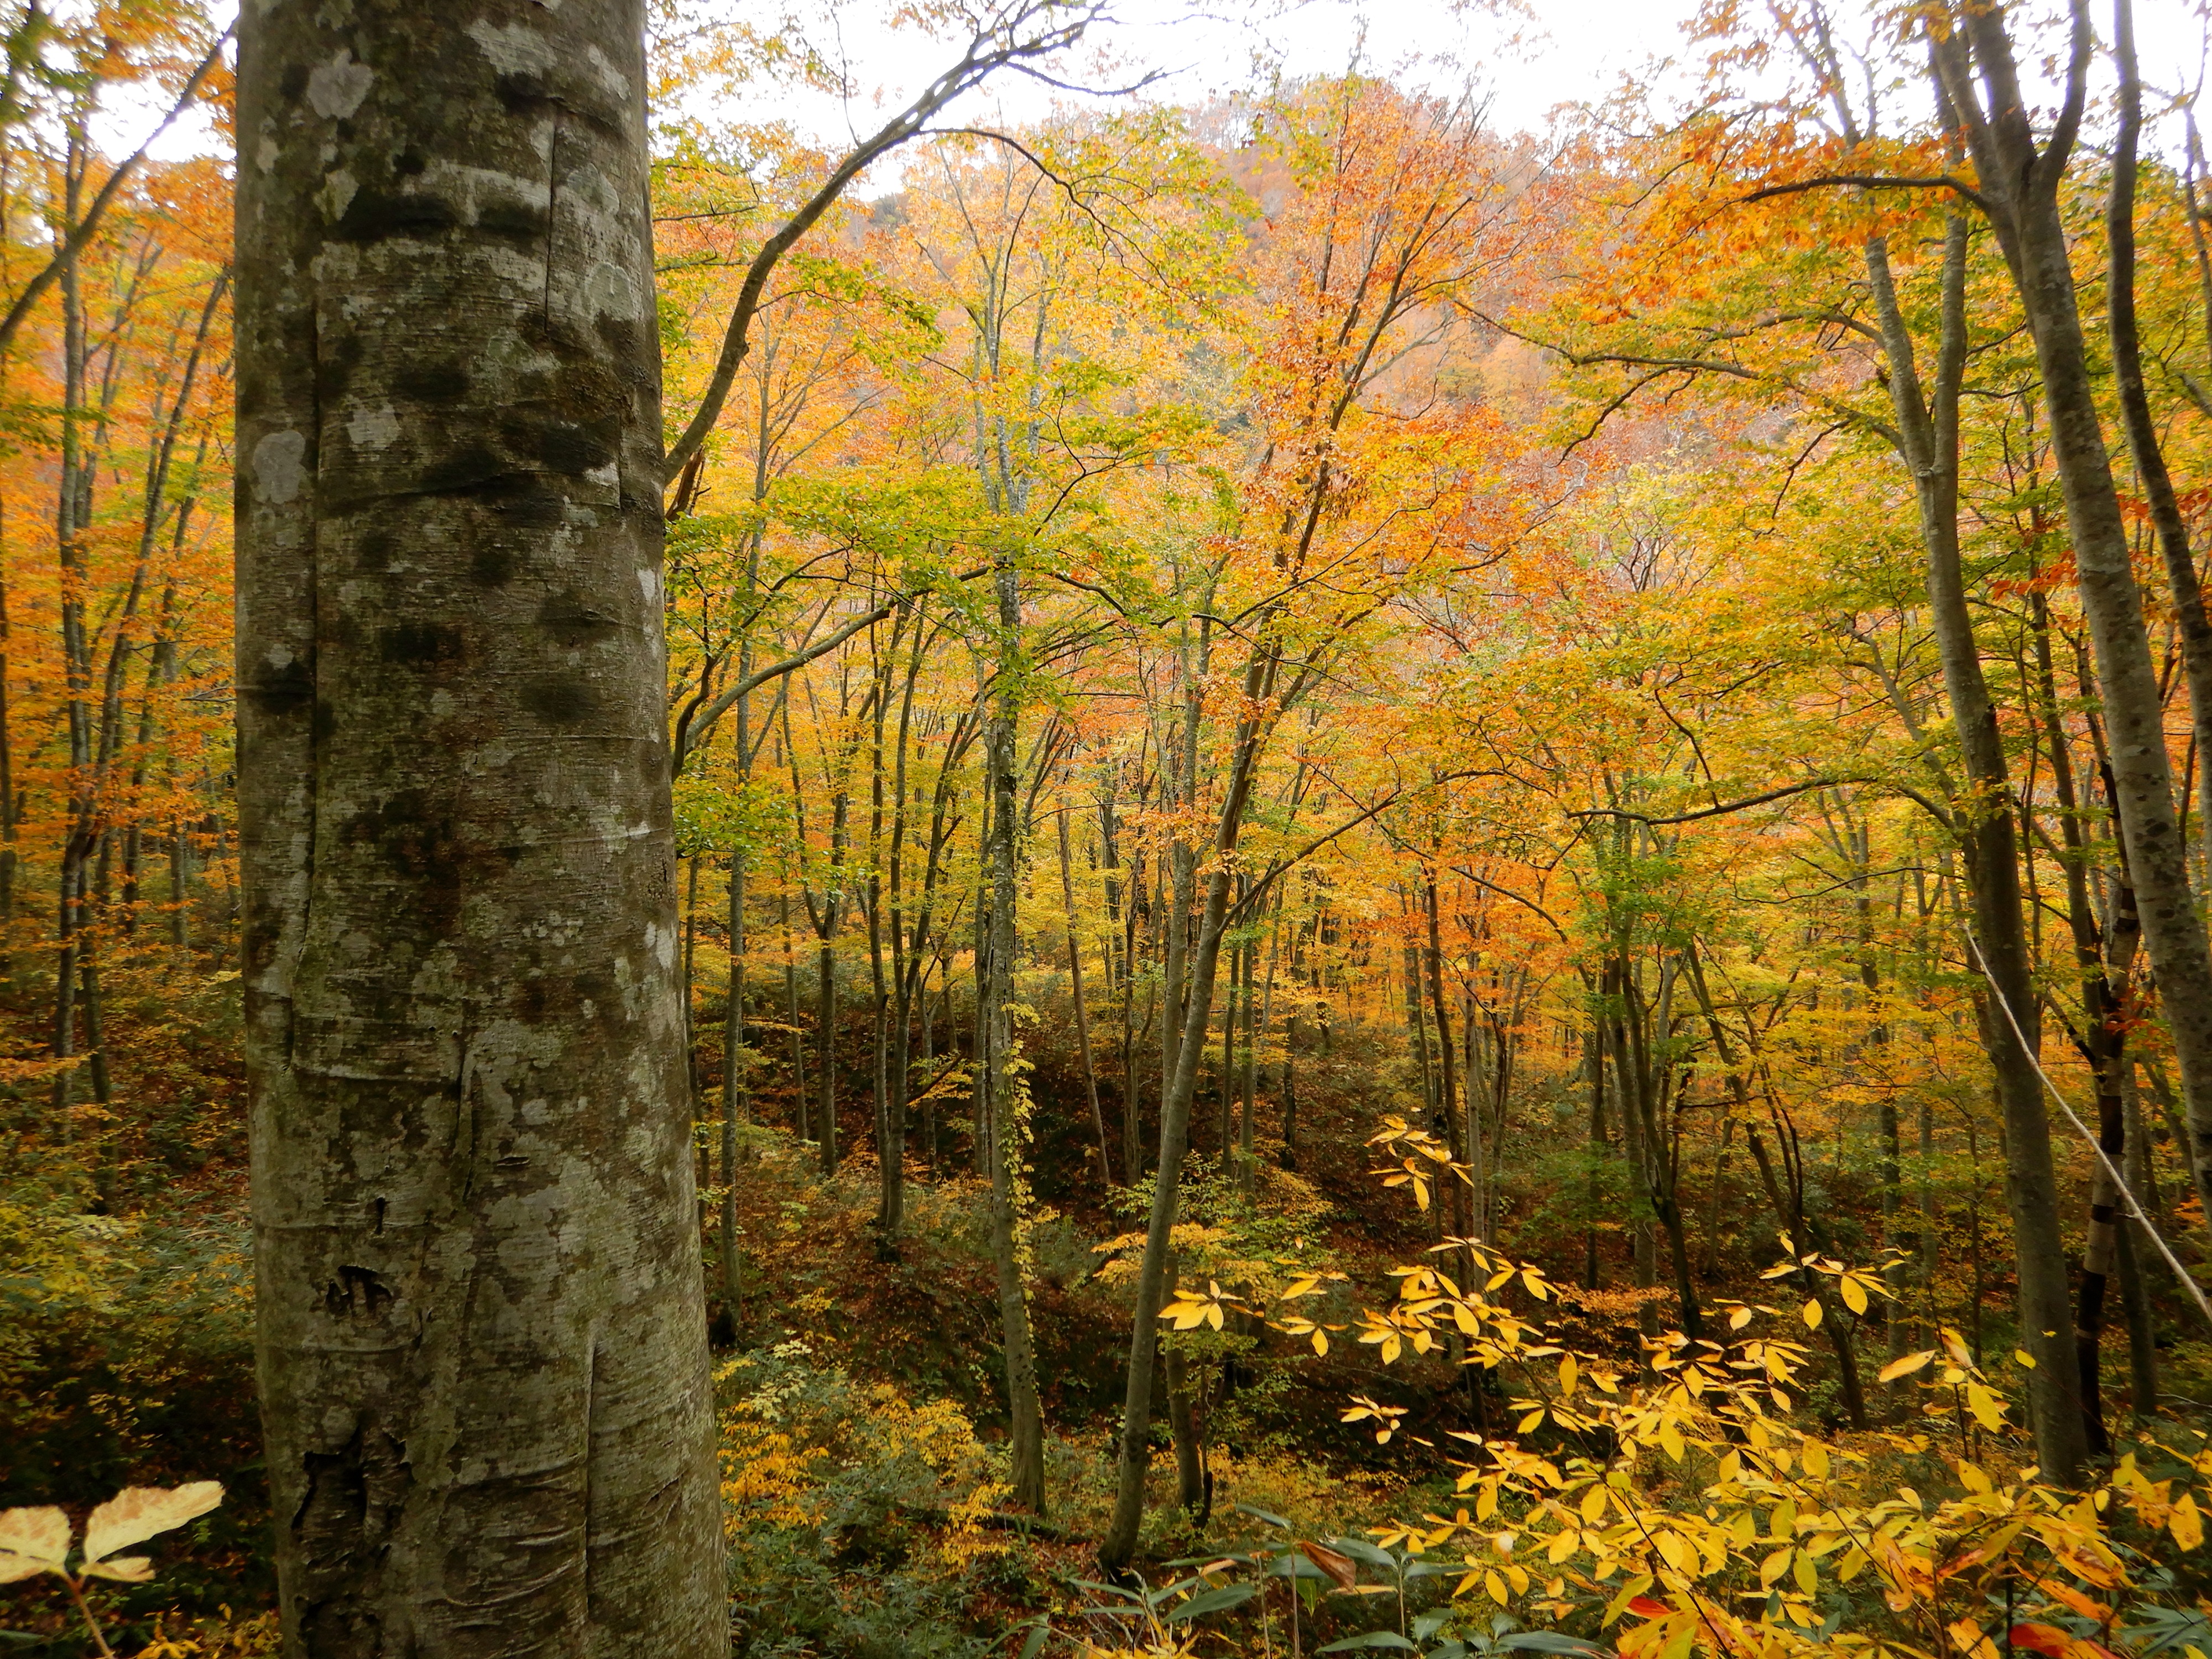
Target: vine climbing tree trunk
point(1002, 1092)
point(483, 1352)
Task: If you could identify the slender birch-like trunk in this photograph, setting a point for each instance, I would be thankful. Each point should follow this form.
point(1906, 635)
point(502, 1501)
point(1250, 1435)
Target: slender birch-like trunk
point(2020, 190)
point(1984, 822)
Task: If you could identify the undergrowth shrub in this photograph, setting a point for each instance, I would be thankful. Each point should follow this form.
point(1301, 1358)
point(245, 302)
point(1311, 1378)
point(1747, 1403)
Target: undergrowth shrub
point(861, 1522)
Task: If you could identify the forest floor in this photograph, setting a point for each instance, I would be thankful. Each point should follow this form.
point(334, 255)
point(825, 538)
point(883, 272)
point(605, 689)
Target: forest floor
point(861, 1401)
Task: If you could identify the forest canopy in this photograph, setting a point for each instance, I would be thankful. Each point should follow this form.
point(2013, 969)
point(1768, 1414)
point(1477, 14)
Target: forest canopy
point(1407, 882)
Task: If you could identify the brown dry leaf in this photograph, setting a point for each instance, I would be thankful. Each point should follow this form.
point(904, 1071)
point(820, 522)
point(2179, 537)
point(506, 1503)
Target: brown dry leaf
point(137, 1513)
point(30, 1541)
point(1338, 1567)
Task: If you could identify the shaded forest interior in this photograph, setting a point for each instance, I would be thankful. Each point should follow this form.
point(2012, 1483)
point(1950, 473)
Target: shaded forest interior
point(1435, 889)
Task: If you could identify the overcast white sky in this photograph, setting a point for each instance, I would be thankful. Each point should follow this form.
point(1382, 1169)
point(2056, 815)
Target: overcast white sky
point(1560, 52)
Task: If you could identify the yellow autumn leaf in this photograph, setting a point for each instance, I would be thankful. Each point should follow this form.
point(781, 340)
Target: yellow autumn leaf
point(1970, 1640)
point(1812, 1314)
point(1320, 1341)
point(1496, 1586)
point(1594, 1504)
point(1569, 1375)
point(1988, 1410)
point(1739, 1318)
point(1905, 1366)
point(1815, 1457)
point(2186, 1525)
point(2022, 1358)
point(1854, 1296)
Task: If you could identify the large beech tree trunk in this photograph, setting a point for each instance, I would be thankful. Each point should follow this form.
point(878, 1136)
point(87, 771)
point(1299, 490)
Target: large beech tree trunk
point(481, 1340)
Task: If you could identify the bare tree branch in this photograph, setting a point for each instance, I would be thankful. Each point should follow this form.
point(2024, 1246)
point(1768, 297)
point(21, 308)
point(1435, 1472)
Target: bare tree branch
point(1000, 46)
point(88, 227)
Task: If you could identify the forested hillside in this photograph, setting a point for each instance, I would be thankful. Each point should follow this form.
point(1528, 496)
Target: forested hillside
point(1433, 888)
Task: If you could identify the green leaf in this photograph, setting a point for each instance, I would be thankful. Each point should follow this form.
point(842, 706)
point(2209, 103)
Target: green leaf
point(1374, 1638)
point(1037, 1637)
point(1125, 1593)
point(1156, 1599)
point(1360, 1550)
point(1229, 1596)
point(1548, 1641)
point(1262, 1515)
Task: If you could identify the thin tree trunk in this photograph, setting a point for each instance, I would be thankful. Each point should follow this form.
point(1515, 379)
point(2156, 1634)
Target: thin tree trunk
point(690, 954)
point(1182, 1429)
point(798, 1095)
point(1082, 1011)
point(2135, 1248)
point(2183, 587)
point(1792, 1218)
point(736, 1102)
point(1257, 1026)
point(71, 516)
point(1984, 822)
point(1465, 1199)
point(1593, 1050)
point(2021, 197)
point(1632, 1084)
point(1002, 1095)
point(1134, 1450)
point(825, 1048)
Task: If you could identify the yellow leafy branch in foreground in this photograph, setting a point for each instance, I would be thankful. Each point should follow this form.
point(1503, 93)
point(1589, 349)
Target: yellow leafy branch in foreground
point(1684, 1498)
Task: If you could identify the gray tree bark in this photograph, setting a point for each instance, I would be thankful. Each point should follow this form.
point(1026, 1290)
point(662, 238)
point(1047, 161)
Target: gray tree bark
point(482, 1343)
point(1927, 442)
point(2020, 192)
